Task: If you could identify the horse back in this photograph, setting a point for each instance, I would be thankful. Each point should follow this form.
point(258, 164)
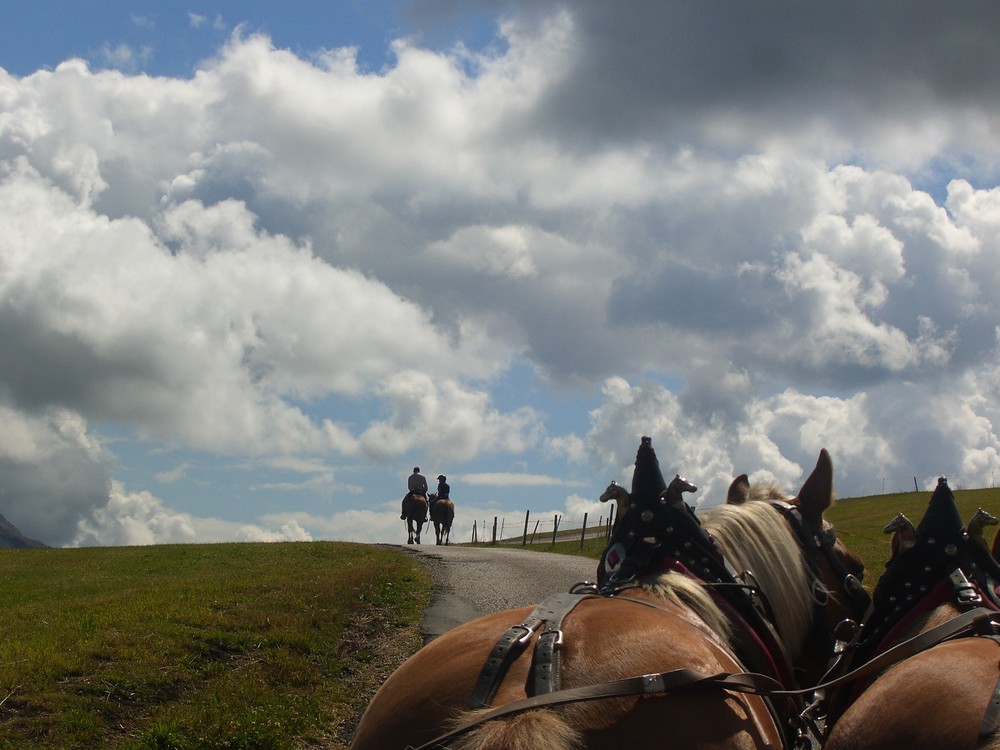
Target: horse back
point(935, 699)
point(604, 639)
point(418, 507)
point(443, 511)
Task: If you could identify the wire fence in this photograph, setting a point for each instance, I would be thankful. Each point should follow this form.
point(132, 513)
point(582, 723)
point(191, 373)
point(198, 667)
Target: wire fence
point(547, 530)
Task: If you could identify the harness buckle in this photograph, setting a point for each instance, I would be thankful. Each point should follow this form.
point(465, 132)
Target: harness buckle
point(965, 591)
point(653, 684)
point(557, 632)
point(528, 632)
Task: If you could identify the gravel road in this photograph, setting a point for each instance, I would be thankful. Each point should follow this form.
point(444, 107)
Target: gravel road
point(470, 582)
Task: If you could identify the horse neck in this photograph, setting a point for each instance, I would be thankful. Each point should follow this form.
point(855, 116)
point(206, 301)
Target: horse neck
point(756, 538)
point(927, 620)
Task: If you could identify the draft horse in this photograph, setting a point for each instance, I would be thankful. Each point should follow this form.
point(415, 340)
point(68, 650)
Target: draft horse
point(442, 514)
point(656, 659)
point(416, 517)
point(924, 671)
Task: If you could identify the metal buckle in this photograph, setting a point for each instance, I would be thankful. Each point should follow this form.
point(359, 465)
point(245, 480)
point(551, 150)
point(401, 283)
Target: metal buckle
point(652, 684)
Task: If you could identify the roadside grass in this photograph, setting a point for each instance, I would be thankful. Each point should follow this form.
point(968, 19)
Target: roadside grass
point(264, 646)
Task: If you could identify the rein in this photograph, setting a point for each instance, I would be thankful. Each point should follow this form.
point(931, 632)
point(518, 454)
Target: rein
point(978, 621)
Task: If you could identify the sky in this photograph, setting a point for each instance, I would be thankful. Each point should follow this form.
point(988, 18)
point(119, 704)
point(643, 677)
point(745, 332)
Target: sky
point(259, 260)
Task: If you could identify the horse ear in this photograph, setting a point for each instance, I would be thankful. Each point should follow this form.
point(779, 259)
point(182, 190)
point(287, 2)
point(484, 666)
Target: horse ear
point(816, 494)
point(739, 490)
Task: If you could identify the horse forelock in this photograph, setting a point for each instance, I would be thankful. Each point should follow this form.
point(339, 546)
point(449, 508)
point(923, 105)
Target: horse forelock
point(766, 491)
point(755, 537)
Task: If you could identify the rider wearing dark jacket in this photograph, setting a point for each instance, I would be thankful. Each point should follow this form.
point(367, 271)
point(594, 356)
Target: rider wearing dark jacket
point(443, 488)
point(442, 491)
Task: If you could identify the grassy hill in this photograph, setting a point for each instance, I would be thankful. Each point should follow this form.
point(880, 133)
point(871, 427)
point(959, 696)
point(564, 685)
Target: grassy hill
point(859, 521)
point(264, 646)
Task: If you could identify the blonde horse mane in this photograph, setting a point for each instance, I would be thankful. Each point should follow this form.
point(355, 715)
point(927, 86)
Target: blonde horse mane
point(753, 537)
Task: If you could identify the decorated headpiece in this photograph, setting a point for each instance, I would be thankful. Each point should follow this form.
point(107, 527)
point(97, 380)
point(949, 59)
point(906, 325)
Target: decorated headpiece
point(656, 512)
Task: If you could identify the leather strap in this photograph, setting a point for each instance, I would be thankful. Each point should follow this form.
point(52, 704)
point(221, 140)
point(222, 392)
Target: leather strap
point(978, 621)
point(513, 643)
point(991, 719)
point(648, 684)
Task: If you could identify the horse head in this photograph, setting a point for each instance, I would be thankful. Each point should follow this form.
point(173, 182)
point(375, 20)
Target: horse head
point(837, 590)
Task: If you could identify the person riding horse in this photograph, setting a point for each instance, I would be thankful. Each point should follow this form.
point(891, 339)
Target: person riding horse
point(417, 485)
point(443, 491)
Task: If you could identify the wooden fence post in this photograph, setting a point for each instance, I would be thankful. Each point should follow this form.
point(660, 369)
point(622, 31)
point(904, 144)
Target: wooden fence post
point(524, 539)
point(583, 532)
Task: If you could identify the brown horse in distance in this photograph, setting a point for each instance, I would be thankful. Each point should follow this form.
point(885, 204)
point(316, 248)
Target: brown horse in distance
point(666, 623)
point(442, 514)
point(416, 517)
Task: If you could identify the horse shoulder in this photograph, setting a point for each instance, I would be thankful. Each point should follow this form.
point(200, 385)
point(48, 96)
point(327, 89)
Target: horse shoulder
point(426, 692)
point(938, 699)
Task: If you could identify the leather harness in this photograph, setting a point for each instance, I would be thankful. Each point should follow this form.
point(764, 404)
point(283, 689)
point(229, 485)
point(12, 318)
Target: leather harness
point(976, 622)
point(546, 668)
point(742, 603)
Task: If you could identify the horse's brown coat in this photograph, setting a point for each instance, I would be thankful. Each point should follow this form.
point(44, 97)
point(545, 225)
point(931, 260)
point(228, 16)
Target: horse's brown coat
point(442, 515)
point(934, 700)
point(416, 517)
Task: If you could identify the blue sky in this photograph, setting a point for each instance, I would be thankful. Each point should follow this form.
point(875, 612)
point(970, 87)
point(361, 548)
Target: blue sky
point(257, 261)
point(173, 38)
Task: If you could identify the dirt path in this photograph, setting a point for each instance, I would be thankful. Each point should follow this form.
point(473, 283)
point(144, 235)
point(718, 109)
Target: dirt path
point(470, 582)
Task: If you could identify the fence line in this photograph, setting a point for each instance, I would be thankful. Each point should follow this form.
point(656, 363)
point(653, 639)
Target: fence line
point(484, 532)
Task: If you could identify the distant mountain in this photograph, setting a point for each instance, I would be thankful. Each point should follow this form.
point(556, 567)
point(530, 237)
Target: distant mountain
point(11, 537)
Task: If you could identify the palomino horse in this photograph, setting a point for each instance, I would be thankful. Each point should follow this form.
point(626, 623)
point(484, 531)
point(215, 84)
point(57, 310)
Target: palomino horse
point(926, 663)
point(629, 670)
point(442, 514)
point(416, 517)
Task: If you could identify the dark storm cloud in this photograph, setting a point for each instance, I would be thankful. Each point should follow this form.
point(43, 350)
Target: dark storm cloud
point(690, 299)
point(51, 475)
point(640, 67)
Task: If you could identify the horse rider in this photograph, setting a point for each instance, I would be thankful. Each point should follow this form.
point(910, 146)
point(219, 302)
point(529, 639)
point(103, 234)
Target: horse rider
point(417, 485)
point(443, 489)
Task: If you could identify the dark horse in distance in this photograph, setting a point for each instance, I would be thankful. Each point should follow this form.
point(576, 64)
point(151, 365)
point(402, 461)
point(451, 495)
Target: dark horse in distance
point(416, 517)
point(442, 514)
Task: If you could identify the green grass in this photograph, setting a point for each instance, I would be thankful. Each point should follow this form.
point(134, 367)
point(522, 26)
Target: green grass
point(264, 646)
point(859, 521)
